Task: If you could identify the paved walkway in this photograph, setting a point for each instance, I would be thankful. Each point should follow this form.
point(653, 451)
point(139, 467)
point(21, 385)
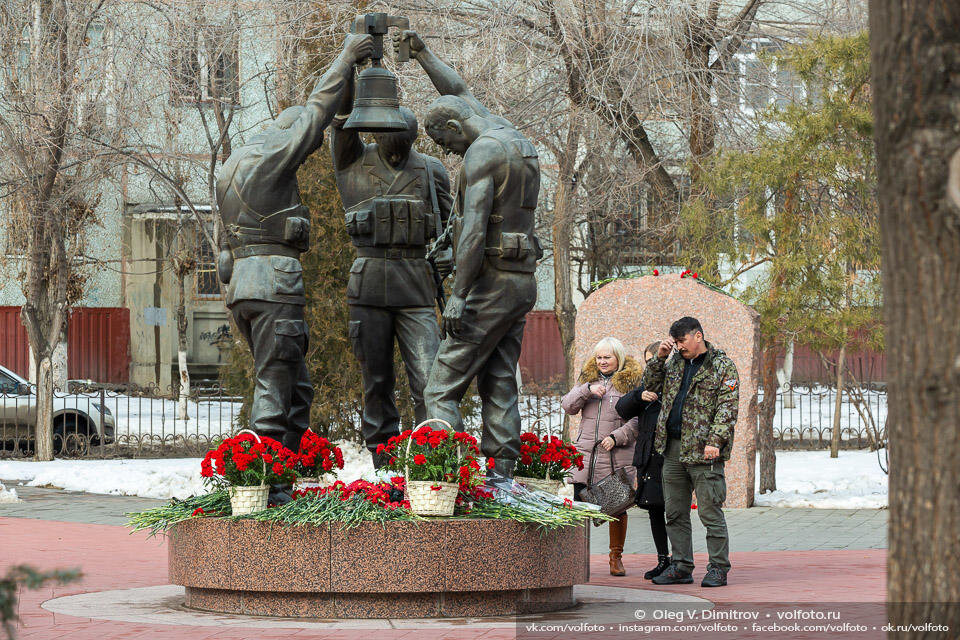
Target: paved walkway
point(56, 529)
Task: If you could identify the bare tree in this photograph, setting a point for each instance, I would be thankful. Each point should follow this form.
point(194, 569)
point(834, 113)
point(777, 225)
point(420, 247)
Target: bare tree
point(55, 99)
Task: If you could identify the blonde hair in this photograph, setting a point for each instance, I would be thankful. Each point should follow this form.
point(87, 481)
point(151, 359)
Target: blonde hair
point(616, 348)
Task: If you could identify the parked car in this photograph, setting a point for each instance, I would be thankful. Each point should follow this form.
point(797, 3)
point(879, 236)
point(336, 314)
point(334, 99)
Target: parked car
point(78, 420)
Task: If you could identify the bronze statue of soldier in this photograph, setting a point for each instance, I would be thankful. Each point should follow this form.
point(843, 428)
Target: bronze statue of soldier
point(265, 228)
point(495, 256)
point(396, 201)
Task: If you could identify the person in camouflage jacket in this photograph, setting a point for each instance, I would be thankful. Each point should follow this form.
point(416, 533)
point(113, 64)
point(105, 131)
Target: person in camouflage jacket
point(710, 409)
point(699, 388)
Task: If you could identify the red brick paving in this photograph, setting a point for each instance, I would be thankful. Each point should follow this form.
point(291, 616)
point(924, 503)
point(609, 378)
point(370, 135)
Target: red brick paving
point(111, 558)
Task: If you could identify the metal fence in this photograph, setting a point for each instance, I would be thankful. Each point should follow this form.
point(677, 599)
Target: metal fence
point(118, 422)
point(128, 422)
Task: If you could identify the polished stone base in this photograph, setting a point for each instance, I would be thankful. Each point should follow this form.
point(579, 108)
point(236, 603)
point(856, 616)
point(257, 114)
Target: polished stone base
point(432, 569)
point(380, 605)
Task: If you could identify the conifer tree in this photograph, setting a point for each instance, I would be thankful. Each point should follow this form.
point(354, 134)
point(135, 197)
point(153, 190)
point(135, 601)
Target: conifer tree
point(791, 224)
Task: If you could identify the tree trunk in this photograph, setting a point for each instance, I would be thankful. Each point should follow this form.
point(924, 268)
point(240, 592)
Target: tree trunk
point(916, 87)
point(183, 396)
point(768, 410)
point(785, 378)
point(43, 448)
point(838, 403)
point(562, 240)
point(59, 364)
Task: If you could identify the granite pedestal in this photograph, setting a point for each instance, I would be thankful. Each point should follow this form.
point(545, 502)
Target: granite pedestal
point(436, 568)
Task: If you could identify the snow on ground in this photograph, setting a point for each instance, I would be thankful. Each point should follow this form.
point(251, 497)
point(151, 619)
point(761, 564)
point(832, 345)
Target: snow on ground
point(8, 495)
point(164, 478)
point(147, 478)
point(814, 479)
point(805, 478)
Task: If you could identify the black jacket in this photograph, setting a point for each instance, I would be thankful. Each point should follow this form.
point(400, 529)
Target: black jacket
point(649, 463)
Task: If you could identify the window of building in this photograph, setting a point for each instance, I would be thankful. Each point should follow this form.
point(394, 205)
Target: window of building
point(208, 284)
point(205, 62)
point(755, 83)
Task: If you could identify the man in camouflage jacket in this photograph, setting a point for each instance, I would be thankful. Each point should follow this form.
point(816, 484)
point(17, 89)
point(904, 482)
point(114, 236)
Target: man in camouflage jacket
point(700, 389)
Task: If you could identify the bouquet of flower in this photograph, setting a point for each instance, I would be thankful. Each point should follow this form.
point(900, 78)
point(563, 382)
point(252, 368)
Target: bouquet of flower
point(317, 456)
point(438, 455)
point(248, 460)
point(376, 493)
point(434, 460)
point(546, 458)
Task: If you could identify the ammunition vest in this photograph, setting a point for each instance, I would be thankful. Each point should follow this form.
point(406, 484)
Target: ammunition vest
point(284, 232)
point(510, 243)
point(394, 210)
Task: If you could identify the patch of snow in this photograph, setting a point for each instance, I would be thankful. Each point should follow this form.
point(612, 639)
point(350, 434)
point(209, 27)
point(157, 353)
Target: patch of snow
point(8, 496)
point(148, 478)
point(854, 480)
point(804, 478)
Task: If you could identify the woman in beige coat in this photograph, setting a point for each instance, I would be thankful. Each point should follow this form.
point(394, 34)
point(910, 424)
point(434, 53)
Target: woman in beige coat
point(606, 377)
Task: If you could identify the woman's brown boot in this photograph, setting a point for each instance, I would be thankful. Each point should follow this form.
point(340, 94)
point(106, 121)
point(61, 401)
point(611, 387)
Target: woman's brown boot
point(618, 534)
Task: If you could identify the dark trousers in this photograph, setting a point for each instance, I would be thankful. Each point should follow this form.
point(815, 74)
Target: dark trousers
point(278, 338)
point(658, 529)
point(372, 334)
point(679, 481)
point(487, 348)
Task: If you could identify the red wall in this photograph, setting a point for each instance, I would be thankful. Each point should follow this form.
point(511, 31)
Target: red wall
point(14, 349)
point(98, 344)
point(541, 355)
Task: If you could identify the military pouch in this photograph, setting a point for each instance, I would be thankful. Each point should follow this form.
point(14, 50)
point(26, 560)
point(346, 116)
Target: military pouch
point(382, 223)
point(514, 246)
point(401, 222)
point(296, 232)
point(364, 223)
point(417, 235)
point(538, 248)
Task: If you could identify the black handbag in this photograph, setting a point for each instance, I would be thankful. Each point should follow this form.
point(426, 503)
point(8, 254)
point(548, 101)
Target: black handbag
point(614, 494)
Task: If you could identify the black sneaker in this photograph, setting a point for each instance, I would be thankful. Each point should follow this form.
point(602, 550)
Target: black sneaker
point(715, 577)
point(673, 575)
point(662, 563)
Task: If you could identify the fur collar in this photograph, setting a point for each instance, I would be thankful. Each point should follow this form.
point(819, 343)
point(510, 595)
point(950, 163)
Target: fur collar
point(623, 381)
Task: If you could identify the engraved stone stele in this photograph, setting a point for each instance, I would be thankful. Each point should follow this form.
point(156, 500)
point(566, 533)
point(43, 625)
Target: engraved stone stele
point(638, 311)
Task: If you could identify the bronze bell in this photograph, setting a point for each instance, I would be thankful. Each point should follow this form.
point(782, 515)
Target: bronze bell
point(376, 105)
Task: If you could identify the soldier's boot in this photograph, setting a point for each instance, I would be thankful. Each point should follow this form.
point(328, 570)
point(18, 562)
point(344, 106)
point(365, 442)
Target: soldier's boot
point(618, 534)
point(380, 460)
point(673, 575)
point(504, 467)
point(662, 563)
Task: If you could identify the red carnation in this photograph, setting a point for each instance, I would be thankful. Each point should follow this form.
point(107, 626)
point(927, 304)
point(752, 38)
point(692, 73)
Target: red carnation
point(419, 459)
point(278, 468)
point(197, 512)
point(694, 274)
point(490, 463)
point(656, 272)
